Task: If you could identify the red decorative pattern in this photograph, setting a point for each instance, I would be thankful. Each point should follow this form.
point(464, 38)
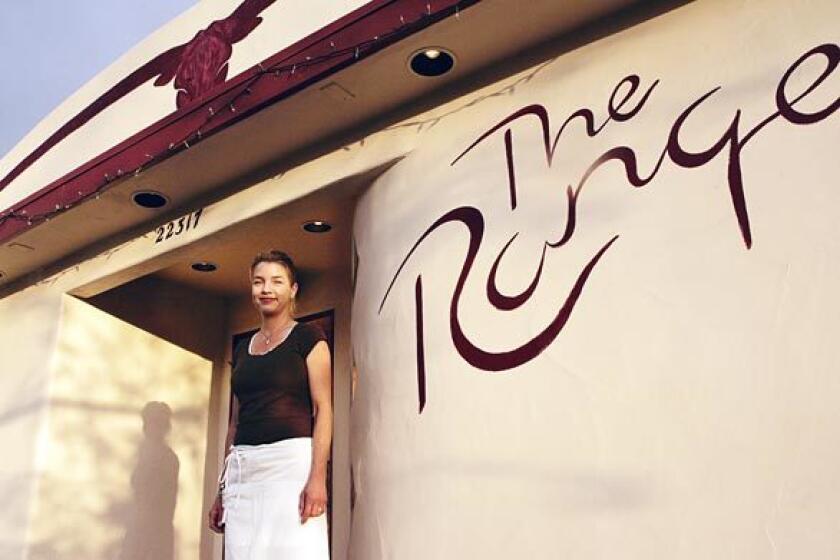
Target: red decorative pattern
point(197, 66)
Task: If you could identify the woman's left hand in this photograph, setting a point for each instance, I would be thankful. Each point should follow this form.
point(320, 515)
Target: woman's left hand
point(313, 499)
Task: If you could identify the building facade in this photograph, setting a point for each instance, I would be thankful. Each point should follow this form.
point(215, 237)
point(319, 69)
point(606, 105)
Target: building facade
point(580, 282)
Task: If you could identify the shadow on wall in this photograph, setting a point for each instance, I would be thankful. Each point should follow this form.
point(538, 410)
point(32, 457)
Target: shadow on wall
point(150, 531)
point(121, 460)
point(98, 524)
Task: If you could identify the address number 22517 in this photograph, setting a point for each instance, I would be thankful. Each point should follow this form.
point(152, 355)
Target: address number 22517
point(179, 226)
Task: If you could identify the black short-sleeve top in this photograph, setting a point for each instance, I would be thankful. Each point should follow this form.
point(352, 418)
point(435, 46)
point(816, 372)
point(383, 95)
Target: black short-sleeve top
point(273, 388)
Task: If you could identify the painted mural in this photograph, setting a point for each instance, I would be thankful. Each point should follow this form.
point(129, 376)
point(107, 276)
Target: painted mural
point(729, 146)
point(594, 309)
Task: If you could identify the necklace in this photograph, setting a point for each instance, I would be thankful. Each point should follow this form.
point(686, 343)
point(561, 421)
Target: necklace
point(283, 332)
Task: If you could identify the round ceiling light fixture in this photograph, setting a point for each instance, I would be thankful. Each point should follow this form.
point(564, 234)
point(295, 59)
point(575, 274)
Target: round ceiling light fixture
point(316, 226)
point(430, 62)
point(149, 199)
point(204, 266)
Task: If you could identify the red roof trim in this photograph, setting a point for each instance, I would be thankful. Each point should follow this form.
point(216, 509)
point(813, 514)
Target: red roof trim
point(389, 21)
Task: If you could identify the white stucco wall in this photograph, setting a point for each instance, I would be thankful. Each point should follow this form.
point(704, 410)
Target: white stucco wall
point(28, 334)
point(689, 407)
point(79, 388)
point(120, 461)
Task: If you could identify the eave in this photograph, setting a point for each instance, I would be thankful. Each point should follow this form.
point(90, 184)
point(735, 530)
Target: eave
point(275, 120)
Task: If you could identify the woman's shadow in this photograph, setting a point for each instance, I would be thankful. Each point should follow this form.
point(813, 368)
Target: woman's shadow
point(150, 533)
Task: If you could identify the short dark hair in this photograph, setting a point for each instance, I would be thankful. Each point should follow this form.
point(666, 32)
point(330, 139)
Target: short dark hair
point(279, 257)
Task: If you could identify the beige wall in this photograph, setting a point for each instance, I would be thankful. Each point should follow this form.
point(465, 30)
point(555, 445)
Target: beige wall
point(690, 406)
point(196, 321)
point(28, 335)
point(122, 459)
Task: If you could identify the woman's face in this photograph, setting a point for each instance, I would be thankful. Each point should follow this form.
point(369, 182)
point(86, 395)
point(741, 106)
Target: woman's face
point(271, 288)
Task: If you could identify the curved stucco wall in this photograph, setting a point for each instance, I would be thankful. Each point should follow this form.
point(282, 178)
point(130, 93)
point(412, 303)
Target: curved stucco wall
point(670, 388)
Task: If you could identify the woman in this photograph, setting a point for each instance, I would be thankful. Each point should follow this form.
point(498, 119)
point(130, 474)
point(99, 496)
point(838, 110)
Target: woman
point(273, 494)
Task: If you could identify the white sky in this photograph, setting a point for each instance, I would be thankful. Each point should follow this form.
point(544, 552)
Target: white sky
point(50, 48)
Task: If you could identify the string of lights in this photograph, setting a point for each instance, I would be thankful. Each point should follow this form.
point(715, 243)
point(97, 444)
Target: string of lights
point(228, 105)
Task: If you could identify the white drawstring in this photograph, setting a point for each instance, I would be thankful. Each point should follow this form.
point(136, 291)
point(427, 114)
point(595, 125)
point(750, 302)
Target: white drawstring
point(224, 482)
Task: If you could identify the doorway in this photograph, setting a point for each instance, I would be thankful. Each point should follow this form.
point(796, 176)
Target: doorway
point(209, 311)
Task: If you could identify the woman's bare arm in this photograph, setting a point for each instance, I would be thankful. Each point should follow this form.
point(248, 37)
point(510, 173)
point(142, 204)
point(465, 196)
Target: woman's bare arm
point(234, 420)
point(313, 499)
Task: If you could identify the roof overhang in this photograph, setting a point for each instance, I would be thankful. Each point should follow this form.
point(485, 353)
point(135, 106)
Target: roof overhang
point(355, 76)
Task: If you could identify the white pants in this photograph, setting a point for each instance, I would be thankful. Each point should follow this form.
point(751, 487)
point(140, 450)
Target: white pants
point(262, 489)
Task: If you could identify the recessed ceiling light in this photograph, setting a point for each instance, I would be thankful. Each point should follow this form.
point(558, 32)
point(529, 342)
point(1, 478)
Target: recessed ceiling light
point(317, 226)
point(431, 61)
point(204, 266)
point(150, 199)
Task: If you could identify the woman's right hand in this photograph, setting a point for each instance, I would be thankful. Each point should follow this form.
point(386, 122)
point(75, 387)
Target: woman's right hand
point(215, 516)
